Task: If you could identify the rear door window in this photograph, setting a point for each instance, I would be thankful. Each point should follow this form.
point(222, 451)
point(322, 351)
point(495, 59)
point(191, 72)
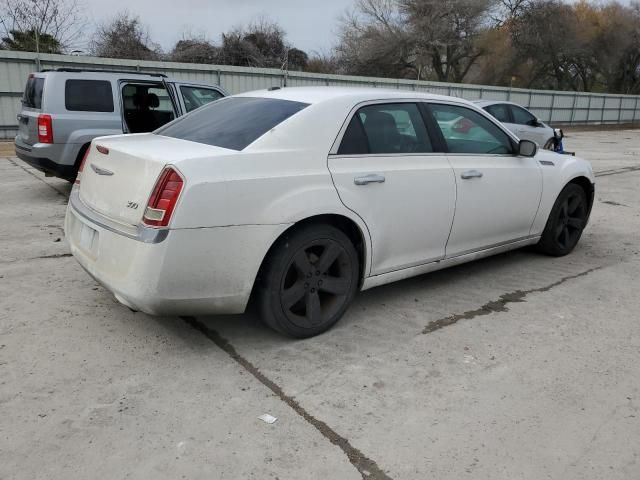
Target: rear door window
point(195, 97)
point(32, 97)
point(232, 122)
point(88, 96)
point(386, 128)
point(521, 116)
point(354, 141)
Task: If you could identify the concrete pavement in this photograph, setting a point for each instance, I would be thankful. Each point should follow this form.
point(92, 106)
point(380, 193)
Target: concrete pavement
point(518, 366)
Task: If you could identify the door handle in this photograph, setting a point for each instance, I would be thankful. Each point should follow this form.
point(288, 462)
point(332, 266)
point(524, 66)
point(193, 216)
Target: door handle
point(471, 174)
point(371, 178)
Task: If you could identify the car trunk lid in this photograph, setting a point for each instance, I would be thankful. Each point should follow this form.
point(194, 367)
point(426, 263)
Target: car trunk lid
point(120, 172)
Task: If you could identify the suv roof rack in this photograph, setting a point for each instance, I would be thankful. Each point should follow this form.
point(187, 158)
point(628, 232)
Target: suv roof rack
point(68, 69)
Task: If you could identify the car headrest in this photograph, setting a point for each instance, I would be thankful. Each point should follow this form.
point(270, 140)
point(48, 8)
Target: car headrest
point(380, 121)
point(153, 100)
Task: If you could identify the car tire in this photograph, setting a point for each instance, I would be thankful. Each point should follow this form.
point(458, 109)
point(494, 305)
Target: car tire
point(549, 144)
point(565, 224)
point(308, 281)
point(76, 165)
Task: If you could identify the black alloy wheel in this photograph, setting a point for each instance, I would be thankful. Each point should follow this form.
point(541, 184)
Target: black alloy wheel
point(566, 222)
point(309, 281)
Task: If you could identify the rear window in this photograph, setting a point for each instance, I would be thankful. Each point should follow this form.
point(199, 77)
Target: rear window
point(33, 93)
point(233, 122)
point(88, 96)
point(500, 111)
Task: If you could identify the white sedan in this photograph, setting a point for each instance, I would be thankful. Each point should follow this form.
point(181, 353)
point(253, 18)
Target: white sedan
point(524, 124)
point(297, 198)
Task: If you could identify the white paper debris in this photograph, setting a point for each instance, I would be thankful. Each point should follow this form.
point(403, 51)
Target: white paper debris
point(266, 418)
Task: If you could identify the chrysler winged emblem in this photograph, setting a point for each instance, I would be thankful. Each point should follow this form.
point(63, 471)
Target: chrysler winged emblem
point(101, 171)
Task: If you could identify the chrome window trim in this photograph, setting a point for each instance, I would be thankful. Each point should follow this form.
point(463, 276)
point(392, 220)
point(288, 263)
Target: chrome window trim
point(333, 152)
point(387, 155)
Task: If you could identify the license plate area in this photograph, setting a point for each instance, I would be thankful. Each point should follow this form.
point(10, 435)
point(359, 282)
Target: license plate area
point(88, 239)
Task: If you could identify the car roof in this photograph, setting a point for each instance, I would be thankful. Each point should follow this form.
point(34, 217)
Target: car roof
point(313, 95)
point(486, 103)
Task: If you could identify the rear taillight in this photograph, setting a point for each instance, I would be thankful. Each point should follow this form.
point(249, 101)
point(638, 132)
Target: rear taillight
point(45, 129)
point(163, 198)
point(81, 167)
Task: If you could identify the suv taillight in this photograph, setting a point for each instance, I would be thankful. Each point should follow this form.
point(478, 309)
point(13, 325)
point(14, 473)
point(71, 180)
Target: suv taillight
point(81, 167)
point(163, 198)
point(45, 129)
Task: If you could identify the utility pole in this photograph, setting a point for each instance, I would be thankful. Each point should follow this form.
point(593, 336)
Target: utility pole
point(284, 68)
point(37, 47)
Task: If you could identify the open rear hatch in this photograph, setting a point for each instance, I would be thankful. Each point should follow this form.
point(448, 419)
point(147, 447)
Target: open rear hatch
point(120, 172)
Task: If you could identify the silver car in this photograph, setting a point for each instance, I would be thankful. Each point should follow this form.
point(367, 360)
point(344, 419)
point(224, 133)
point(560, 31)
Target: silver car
point(520, 121)
point(64, 109)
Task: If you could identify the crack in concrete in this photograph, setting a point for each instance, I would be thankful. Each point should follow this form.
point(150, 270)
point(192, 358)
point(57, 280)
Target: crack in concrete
point(500, 305)
point(365, 466)
point(615, 204)
point(616, 171)
point(55, 255)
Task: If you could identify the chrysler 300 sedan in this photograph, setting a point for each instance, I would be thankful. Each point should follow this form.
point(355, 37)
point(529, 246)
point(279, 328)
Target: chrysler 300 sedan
point(297, 198)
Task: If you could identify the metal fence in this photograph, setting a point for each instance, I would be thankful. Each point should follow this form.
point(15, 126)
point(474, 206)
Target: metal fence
point(562, 108)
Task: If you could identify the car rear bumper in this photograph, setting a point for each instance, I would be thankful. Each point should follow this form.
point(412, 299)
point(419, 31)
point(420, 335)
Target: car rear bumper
point(48, 166)
point(188, 272)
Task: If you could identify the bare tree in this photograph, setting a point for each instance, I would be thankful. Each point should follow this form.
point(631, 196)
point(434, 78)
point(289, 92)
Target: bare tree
point(268, 39)
point(545, 36)
point(194, 49)
point(235, 50)
point(413, 38)
point(373, 40)
point(505, 11)
point(446, 32)
point(322, 62)
point(55, 25)
point(615, 46)
point(262, 43)
point(296, 59)
point(124, 37)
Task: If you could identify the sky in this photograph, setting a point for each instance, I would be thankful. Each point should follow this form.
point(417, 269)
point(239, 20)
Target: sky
point(309, 24)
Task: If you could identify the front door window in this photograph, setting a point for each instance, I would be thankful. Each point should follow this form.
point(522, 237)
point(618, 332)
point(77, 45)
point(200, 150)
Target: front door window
point(467, 131)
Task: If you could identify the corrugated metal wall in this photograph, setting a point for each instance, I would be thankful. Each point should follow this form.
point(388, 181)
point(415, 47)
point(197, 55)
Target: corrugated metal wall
point(549, 106)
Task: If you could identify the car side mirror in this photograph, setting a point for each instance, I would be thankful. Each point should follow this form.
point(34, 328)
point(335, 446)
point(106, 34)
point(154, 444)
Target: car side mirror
point(535, 122)
point(527, 148)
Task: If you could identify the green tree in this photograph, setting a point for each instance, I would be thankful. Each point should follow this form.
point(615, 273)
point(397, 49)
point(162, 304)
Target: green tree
point(49, 26)
point(26, 42)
